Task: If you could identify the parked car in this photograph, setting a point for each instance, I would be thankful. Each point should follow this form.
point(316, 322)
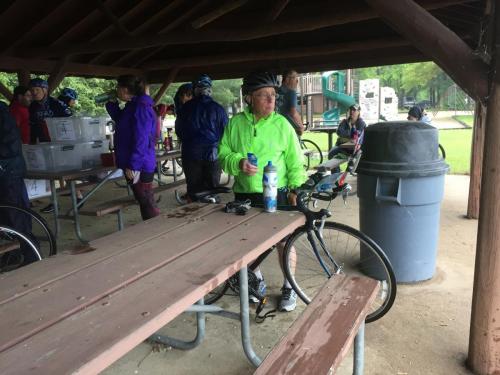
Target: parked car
point(426, 103)
point(408, 101)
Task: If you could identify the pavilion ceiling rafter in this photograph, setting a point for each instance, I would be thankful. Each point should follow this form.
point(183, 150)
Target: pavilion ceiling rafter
point(330, 15)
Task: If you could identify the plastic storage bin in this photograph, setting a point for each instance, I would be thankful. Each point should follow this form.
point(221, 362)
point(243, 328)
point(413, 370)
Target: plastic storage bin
point(77, 129)
point(51, 157)
point(400, 189)
point(90, 153)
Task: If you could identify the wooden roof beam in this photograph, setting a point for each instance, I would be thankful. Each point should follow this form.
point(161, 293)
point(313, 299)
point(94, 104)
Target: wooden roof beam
point(217, 13)
point(433, 38)
point(5, 91)
point(171, 25)
point(163, 13)
point(170, 78)
point(274, 54)
point(114, 20)
point(23, 77)
point(327, 17)
point(57, 75)
point(278, 7)
point(13, 64)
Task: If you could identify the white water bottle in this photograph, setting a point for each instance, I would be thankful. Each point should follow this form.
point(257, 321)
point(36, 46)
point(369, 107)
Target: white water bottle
point(270, 185)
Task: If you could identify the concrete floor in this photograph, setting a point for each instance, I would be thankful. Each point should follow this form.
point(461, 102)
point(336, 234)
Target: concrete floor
point(426, 332)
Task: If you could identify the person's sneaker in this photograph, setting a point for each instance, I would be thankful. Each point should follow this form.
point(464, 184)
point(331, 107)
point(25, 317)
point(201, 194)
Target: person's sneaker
point(262, 291)
point(288, 300)
point(48, 209)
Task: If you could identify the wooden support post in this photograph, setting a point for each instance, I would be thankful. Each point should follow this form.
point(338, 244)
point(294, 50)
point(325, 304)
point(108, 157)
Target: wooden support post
point(4, 90)
point(484, 351)
point(23, 77)
point(476, 162)
point(57, 75)
point(170, 78)
point(436, 40)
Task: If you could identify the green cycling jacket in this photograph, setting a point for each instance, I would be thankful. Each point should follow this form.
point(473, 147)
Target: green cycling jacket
point(270, 139)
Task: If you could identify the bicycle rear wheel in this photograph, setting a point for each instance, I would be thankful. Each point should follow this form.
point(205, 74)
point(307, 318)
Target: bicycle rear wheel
point(40, 231)
point(313, 156)
point(349, 252)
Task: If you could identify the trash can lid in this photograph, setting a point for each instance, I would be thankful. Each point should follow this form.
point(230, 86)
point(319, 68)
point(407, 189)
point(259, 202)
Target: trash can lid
point(401, 149)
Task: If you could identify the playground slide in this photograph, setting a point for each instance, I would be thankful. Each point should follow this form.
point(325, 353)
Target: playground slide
point(343, 100)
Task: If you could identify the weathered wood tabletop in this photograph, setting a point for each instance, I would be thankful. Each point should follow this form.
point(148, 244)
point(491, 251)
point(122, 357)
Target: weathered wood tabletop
point(82, 310)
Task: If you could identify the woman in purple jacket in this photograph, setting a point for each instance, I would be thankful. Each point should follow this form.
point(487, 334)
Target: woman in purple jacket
point(135, 140)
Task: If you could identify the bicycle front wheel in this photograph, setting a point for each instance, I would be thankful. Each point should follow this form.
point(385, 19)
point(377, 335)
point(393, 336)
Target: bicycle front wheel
point(347, 251)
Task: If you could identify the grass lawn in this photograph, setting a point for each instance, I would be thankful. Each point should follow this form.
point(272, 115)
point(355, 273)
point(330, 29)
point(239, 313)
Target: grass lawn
point(465, 119)
point(456, 142)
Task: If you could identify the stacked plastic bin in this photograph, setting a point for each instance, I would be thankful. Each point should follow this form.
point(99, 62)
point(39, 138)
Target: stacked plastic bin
point(77, 143)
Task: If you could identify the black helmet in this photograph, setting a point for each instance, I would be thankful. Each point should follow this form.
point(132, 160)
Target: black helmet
point(258, 80)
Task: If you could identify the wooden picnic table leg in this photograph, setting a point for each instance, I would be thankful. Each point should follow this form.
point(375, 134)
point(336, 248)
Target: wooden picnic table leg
point(55, 203)
point(245, 319)
point(359, 351)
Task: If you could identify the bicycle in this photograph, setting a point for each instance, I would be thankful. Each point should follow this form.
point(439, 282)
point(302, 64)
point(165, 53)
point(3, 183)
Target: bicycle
point(312, 153)
point(41, 239)
point(321, 249)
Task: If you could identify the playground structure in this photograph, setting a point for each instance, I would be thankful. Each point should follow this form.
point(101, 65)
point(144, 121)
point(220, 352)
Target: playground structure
point(336, 100)
point(377, 103)
point(332, 93)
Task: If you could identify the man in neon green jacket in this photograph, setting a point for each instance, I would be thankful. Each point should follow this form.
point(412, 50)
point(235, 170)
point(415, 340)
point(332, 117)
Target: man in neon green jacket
point(269, 136)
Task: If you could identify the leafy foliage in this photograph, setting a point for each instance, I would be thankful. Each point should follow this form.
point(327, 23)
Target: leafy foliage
point(423, 80)
point(225, 92)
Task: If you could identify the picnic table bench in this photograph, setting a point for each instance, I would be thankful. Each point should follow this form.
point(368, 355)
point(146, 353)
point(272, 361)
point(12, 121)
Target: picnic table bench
point(80, 311)
point(320, 338)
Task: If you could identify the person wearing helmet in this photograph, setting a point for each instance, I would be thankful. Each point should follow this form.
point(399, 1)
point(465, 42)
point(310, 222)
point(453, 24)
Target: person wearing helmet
point(135, 140)
point(417, 113)
point(43, 106)
point(349, 129)
point(286, 102)
point(268, 135)
point(199, 126)
point(68, 96)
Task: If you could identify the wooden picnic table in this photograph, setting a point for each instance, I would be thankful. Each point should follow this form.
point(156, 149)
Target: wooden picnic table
point(328, 129)
point(80, 311)
point(72, 176)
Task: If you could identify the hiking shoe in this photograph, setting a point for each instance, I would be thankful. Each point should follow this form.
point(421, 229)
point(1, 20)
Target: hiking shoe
point(262, 291)
point(48, 209)
point(288, 300)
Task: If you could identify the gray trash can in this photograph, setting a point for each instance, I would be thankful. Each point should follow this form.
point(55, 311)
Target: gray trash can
point(400, 189)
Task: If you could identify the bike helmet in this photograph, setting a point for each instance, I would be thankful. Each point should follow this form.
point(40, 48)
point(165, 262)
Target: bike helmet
point(39, 82)
point(258, 80)
point(69, 93)
point(202, 81)
point(415, 112)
